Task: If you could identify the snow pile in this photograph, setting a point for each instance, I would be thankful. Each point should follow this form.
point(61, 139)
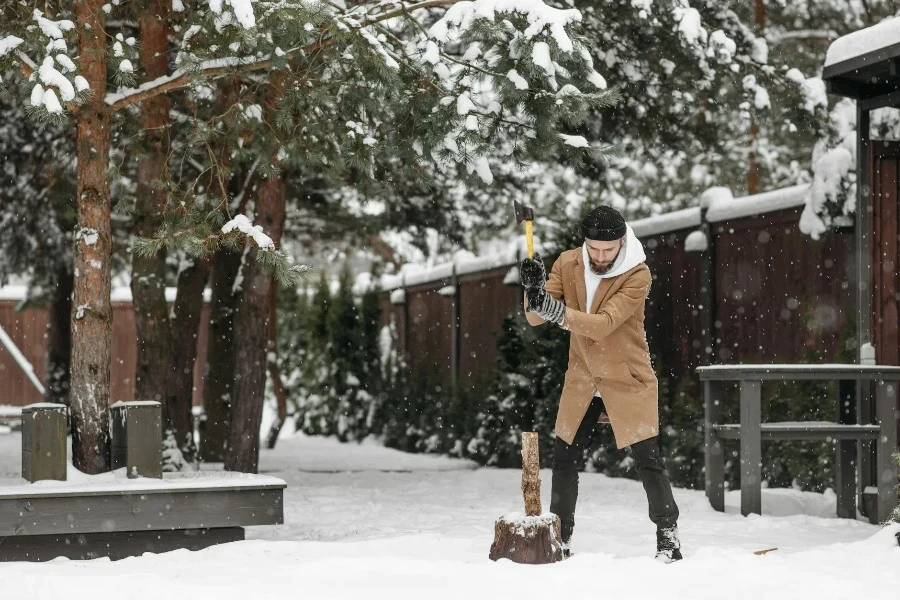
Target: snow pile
point(47, 74)
point(364, 517)
point(696, 242)
point(576, 141)
point(833, 165)
point(690, 25)
point(813, 90)
point(8, 44)
point(52, 29)
point(231, 12)
point(864, 41)
point(715, 195)
point(243, 224)
point(462, 15)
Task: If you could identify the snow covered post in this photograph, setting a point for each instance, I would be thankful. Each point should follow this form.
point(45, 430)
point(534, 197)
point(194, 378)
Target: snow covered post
point(535, 538)
point(44, 442)
point(136, 431)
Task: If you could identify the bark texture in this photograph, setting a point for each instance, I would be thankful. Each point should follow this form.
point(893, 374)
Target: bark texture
point(91, 313)
point(274, 371)
point(528, 540)
point(219, 381)
point(250, 331)
point(148, 276)
point(186, 316)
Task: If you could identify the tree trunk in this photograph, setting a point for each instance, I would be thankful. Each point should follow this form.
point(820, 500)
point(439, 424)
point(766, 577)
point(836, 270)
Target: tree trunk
point(92, 254)
point(59, 338)
point(274, 372)
point(185, 327)
point(752, 165)
point(148, 274)
point(250, 328)
point(217, 387)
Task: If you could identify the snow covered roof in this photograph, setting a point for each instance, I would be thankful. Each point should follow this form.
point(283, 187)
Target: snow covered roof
point(16, 293)
point(722, 207)
point(862, 42)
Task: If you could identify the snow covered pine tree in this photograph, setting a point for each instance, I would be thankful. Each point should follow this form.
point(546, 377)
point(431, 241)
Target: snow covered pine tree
point(410, 81)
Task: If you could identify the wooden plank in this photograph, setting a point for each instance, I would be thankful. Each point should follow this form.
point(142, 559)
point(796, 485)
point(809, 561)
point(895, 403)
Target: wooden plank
point(808, 431)
point(113, 545)
point(751, 449)
point(140, 511)
point(797, 372)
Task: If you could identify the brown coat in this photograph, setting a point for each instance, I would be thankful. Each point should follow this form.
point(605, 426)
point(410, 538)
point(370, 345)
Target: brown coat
point(608, 351)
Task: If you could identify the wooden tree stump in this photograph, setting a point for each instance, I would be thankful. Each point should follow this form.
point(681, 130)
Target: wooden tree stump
point(535, 538)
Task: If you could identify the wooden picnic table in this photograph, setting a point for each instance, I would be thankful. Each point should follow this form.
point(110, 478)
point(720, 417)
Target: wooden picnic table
point(850, 430)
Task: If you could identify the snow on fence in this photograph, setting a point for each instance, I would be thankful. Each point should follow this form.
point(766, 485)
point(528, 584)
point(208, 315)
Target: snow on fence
point(774, 290)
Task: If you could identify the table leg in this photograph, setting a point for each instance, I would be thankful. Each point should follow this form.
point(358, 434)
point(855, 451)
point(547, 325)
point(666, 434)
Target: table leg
point(886, 413)
point(714, 447)
point(864, 448)
point(845, 452)
point(751, 448)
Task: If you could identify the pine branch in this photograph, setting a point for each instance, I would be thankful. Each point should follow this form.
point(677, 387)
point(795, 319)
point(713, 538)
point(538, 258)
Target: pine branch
point(218, 67)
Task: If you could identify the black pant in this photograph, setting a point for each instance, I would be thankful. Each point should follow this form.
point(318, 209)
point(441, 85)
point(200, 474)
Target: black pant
point(568, 460)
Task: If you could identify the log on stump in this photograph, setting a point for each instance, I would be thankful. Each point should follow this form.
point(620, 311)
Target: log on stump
point(535, 538)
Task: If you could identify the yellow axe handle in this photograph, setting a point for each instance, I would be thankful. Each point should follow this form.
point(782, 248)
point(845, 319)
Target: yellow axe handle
point(529, 238)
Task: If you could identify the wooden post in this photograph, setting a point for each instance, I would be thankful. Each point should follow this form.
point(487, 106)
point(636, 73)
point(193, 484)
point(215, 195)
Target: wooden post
point(531, 480)
point(44, 442)
point(136, 443)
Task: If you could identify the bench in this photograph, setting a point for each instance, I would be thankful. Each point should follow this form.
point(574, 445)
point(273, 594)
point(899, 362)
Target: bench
point(850, 430)
point(132, 509)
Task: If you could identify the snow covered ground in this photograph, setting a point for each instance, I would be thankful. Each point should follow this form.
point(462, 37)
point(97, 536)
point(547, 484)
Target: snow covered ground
point(365, 521)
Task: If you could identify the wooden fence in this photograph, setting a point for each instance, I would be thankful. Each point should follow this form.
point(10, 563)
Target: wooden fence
point(27, 329)
point(779, 296)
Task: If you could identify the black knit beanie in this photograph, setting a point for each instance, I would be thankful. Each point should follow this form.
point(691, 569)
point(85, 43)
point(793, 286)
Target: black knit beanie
point(604, 224)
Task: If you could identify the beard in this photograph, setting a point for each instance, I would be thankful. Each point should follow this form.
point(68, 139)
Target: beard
point(602, 268)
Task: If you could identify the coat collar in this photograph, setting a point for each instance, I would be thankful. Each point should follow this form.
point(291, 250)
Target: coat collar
point(600, 295)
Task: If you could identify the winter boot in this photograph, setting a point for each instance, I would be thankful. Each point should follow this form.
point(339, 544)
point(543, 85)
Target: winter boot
point(668, 546)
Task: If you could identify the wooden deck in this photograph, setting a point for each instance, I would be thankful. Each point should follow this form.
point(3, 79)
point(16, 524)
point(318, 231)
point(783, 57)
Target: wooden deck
point(114, 516)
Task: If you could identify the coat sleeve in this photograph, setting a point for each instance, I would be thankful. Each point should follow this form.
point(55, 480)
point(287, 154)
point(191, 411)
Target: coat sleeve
point(615, 311)
point(554, 287)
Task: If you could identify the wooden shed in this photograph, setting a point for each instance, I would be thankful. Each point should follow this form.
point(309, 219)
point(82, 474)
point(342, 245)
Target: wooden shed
point(865, 66)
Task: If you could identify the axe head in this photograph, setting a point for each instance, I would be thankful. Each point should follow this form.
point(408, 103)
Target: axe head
point(523, 213)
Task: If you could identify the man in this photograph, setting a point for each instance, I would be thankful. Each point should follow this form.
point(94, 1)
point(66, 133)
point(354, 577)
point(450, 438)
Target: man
point(598, 293)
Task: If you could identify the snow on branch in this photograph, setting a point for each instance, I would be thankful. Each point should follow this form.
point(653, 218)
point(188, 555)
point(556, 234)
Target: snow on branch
point(462, 15)
point(8, 44)
point(181, 78)
point(255, 232)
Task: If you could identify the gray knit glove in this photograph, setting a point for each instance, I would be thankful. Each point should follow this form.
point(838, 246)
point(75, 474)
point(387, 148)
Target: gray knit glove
point(546, 306)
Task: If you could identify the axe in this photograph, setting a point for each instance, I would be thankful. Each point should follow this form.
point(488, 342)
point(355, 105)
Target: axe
point(526, 213)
